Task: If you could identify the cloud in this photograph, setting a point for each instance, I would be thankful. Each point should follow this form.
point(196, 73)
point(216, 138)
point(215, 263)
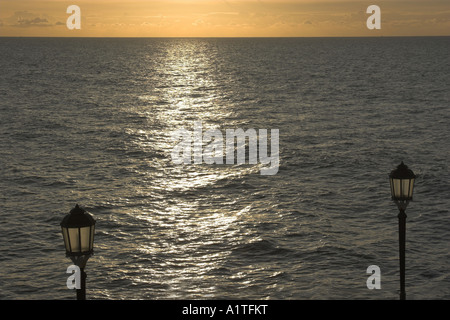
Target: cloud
point(36, 22)
point(25, 19)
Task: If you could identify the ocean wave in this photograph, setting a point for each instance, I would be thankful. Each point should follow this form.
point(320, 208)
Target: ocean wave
point(260, 250)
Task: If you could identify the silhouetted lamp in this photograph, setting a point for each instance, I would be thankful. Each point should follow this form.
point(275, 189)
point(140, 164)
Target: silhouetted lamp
point(78, 233)
point(402, 186)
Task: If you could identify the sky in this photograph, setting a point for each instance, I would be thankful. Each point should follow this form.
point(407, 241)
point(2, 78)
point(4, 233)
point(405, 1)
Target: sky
point(224, 18)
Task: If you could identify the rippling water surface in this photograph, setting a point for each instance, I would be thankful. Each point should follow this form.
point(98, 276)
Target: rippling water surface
point(89, 121)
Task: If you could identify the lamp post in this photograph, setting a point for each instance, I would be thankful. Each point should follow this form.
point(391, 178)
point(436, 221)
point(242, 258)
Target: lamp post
point(78, 233)
point(402, 184)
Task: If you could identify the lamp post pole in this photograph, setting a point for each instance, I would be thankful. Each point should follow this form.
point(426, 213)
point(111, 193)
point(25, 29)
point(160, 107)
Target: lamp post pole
point(402, 185)
point(402, 245)
point(81, 293)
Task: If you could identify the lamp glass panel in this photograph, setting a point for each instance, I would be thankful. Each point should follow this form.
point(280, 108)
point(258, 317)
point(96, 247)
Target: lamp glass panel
point(85, 233)
point(402, 188)
point(396, 184)
point(66, 238)
point(411, 188)
point(92, 237)
point(74, 237)
point(405, 188)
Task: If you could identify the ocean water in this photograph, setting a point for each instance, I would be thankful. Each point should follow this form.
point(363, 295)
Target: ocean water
point(89, 122)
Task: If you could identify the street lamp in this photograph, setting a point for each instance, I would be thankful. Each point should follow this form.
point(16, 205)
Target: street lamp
point(402, 184)
point(78, 233)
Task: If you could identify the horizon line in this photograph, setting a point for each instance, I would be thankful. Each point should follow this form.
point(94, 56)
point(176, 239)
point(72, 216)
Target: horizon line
point(227, 37)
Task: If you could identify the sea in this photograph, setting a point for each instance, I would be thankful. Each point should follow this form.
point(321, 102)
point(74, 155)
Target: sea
point(90, 121)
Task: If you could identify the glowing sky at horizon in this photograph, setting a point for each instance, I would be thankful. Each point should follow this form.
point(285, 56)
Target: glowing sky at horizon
point(224, 18)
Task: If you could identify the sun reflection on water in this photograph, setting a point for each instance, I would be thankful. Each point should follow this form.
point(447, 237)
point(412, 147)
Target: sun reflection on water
point(185, 238)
